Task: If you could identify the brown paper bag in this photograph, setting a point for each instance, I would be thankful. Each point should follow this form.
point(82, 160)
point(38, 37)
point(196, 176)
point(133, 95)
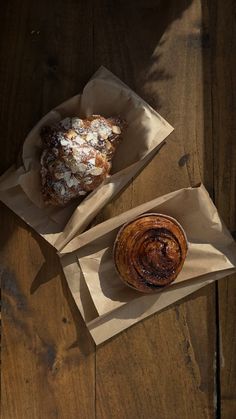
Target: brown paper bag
point(107, 305)
point(104, 94)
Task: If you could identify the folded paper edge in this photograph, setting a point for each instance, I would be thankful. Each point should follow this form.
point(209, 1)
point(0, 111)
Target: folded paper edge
point(104, 327)
point(80, 240)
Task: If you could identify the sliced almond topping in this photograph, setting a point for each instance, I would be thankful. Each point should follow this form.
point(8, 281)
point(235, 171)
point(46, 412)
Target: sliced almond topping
point(55, 151)
point(76, 123)
point(70, 134)
point(87, 180)
point(72, 181)
point(58, 175)
point(116, 129)
point(66, 123)
point(79, 140)
point(69, 183)
point(81, 167)
point(92, 161)
point(64, 142)
point(75, 181)
point(74, 168)
point(67, 175)
point(96, 171)
point(63, 191)
point(91, 136)
point(104, 136)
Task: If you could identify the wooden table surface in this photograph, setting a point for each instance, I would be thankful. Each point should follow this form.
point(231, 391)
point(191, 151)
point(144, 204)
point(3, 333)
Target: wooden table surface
point(180, 57)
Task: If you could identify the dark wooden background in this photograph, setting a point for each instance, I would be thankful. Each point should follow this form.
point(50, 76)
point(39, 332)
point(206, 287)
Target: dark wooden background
point(180, 57)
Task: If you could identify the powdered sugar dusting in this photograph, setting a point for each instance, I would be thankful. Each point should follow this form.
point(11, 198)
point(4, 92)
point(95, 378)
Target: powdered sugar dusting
point(77, 155)
point(66, 123)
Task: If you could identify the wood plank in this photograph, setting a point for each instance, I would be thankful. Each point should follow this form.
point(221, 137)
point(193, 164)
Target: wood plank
point(50, 45)
point(164, 366)
point(170, 79)
point(223, 33)
point(48, 355)
point(160, 367)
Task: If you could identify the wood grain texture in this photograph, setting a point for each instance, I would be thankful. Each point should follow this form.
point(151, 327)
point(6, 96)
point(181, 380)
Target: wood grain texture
point(47, 49)
point(174, 55)
point(48, 355)
point(160, 368)
point(224, 133)
point(163, 367)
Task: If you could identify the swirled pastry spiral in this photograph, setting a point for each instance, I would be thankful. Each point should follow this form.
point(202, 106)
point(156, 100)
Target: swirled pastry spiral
point(149, 252)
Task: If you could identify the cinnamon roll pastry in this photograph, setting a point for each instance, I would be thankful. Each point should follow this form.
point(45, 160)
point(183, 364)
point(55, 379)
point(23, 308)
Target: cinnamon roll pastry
point(77, 156)
point(149, 252)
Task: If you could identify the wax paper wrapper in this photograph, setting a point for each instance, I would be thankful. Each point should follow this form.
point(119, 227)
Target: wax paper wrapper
point(108, 96)
point(106, 303)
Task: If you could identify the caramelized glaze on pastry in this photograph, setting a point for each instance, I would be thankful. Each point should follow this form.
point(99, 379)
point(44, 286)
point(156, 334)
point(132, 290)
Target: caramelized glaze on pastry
point(149, 252)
